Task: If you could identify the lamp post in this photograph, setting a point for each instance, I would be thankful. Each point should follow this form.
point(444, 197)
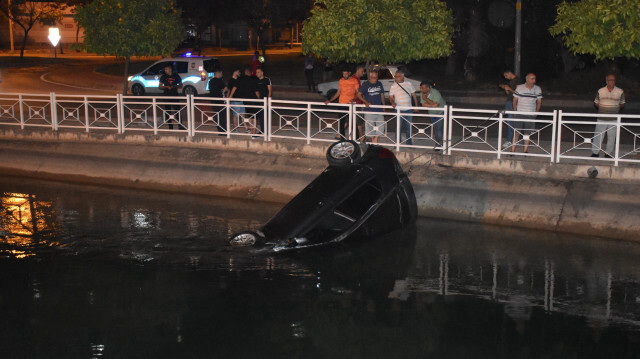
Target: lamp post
point(10, 24)
point(516, 52)
point(54, 37)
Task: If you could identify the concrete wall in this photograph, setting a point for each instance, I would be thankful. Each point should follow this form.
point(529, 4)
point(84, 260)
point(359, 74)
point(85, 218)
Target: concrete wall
point(526, 194)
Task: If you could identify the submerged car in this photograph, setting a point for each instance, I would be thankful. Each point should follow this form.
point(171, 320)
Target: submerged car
point(358, 195)
point(385, 76)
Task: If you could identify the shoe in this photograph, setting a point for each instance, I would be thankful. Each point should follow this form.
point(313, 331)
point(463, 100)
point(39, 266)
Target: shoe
point(506, 145)
point(595, 155)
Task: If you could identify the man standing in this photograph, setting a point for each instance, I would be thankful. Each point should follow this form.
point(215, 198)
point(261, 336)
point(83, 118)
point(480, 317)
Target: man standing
point(169, 83)
point(245, 88)
point(610, 99)
point(217, 89)
point(264, 90)
point(526, 98)
point(400, 94)
point(347, 88)
point(309, 61)
point(511, 82)
point(372, 93)
point(430, 97)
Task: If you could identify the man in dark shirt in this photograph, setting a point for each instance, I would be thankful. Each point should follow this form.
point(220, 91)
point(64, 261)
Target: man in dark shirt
point(170, 83)
point(509, 84)
point(245, 88)
point(217, 89)
point(263, 85)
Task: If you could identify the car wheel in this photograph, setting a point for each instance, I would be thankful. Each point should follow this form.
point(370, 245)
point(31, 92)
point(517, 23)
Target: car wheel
point(246, 238)
point(330, 93)
point(137, 90)
point(189, 90)
point(343, 153)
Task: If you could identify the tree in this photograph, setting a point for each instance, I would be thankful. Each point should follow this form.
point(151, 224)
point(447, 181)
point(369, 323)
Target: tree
point(28, 13)
point(128, 28)
point(386, 31)
point(605, 29)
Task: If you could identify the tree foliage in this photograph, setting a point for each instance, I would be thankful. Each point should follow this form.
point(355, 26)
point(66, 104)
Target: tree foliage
point(131, 27)
point(605, 29)
point(28, 13)
point(386, 31)
point(128, 28)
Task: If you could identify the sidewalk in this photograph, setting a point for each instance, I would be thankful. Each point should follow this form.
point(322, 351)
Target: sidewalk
point(72, 74)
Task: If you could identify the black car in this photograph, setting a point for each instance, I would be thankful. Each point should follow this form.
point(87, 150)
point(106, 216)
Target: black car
point(356, 196)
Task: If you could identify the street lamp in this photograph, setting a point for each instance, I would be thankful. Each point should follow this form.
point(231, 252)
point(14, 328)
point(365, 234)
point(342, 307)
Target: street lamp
point(54, 37)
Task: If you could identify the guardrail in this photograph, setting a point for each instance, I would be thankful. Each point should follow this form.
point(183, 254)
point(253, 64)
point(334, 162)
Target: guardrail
point(553, 136)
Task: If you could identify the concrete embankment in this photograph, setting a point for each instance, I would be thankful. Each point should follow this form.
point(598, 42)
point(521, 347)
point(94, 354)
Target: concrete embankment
point(526, 194)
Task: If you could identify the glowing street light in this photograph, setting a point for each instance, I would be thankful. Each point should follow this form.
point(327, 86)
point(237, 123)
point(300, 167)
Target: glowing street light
point(54, 37)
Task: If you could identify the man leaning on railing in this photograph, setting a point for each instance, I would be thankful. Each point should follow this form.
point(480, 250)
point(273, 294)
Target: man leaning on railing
point(609, 99)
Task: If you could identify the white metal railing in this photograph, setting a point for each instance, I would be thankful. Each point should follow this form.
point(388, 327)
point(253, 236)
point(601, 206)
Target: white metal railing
point(554, 136)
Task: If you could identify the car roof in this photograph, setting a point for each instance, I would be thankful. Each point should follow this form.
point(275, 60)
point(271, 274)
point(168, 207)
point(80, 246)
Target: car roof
point(186, 58)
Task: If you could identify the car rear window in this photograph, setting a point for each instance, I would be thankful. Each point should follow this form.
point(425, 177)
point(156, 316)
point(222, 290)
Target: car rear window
point(211, 65)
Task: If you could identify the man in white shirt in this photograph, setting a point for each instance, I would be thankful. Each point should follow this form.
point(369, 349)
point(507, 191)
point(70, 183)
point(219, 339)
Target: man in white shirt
point(610, 99)
point(526, 98)
point(400, 94)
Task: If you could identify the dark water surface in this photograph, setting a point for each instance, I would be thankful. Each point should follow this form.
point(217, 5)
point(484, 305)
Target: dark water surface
point(89, 272)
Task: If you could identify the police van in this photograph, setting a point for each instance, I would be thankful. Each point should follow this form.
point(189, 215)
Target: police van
point(195, 72)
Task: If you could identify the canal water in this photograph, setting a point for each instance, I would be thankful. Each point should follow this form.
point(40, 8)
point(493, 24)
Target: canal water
point(91, 272)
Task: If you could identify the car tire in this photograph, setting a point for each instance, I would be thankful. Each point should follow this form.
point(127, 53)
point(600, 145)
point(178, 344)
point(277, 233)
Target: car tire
point(245, 239)
point(330, 94)
point(343, 153)
point(189, 90)
point(137, 90)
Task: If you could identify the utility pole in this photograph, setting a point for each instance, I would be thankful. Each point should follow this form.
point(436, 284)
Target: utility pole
point(10, 25)
point(516, 52)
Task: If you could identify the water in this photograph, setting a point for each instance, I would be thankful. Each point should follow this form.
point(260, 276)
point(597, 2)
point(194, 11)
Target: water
point(89, 272)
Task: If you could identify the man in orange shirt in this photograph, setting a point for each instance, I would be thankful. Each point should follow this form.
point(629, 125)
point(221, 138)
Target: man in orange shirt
point(347, 88)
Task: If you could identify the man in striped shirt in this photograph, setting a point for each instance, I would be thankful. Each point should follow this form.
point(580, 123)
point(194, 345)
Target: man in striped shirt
point(610, 99)
point(526, 98)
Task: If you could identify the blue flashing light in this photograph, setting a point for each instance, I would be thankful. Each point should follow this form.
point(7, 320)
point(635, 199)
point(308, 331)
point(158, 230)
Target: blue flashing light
point(187, 54)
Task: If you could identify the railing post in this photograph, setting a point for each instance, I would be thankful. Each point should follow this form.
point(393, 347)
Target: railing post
point(54, 112)
point(309, 123)
point(450, 131)
point(228, 110)
point(500, 123)
point(398, 129)
point(86, 113)
point(20, 101)
point(617, 149)
point(554, 139)
point(558, 147)
point(445, 129)
point(190, 116)
point(120, 113)
point(155, 115)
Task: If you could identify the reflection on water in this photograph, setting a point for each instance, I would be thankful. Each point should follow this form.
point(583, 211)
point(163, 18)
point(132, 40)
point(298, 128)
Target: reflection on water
point(93, 272)
point(25, 224)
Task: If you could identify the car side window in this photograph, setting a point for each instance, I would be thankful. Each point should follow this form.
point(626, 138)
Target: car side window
point(385, 74)
point(157, 69)
point(181, 67)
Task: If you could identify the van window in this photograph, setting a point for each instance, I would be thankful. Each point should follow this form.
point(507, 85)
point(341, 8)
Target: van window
point(385, 74)
point(157, 69)
point(211, 65)
point(181, 67)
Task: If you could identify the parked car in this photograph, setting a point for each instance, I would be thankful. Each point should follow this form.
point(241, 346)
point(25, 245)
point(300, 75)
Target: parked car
point(356, 196)
point(385, 76)
point(195, 72)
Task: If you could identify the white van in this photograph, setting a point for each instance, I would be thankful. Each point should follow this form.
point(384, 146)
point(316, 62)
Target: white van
point(195, 72)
